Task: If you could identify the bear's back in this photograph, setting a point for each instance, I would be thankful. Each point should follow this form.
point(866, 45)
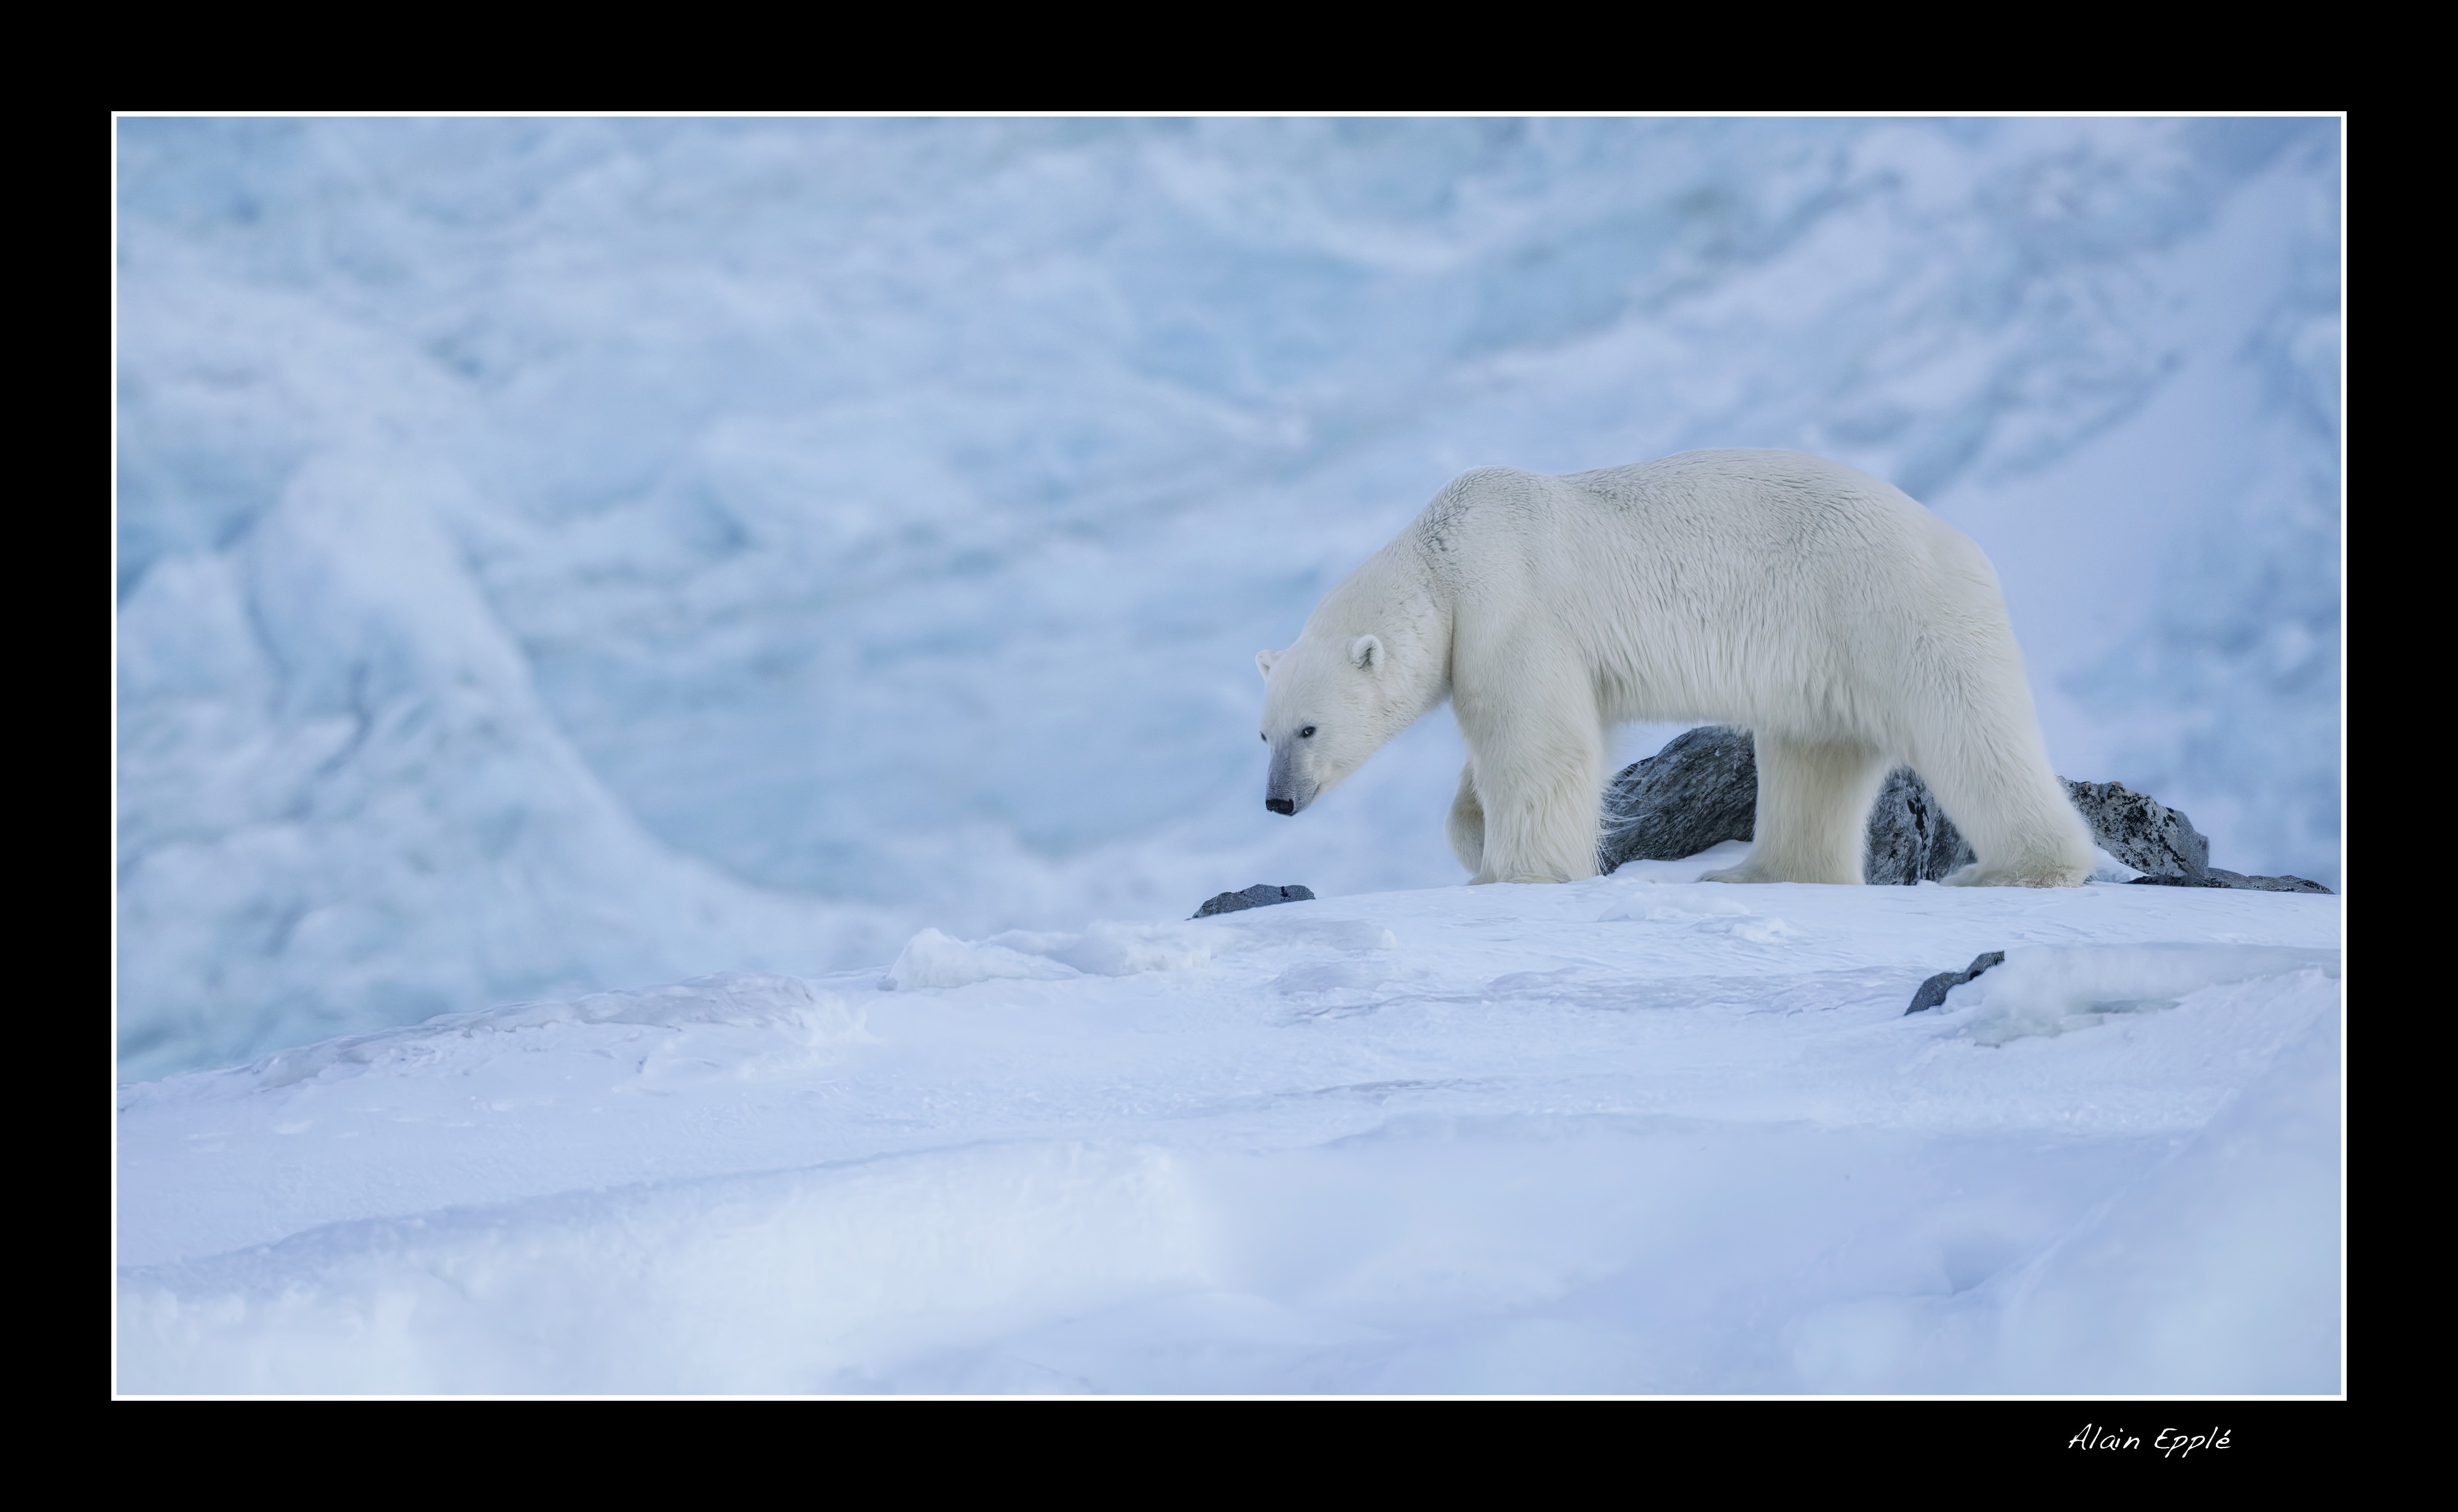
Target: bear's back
point(1710, 582)
point(1721, 526)
point(1749, 491)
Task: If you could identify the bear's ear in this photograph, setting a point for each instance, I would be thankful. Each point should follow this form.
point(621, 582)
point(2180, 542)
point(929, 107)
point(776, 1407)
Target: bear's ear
point(1365, 652)
point(1263, 660)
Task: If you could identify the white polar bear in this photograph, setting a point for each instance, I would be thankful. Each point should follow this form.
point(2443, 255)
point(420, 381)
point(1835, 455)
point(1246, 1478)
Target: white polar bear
point(1843, 624)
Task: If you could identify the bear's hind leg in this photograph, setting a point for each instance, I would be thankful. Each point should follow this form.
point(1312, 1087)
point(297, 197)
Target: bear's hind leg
point(1465, 826)
point(1976, 741)
point(1813, 815)
point(2021, 825)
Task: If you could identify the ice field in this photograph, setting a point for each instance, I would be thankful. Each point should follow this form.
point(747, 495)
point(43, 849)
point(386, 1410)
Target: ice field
point(559, 556)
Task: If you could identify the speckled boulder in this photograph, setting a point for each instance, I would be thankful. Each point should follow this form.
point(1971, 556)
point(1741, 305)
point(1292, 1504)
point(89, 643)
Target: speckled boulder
point(2140, 831)
point(1701, 790)
point(1910, 838)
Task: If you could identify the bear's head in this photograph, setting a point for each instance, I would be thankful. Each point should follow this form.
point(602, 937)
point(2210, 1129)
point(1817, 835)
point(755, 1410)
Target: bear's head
point(1329, 702)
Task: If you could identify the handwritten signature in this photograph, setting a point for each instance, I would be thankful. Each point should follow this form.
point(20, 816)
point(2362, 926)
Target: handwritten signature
point(2173, 1444)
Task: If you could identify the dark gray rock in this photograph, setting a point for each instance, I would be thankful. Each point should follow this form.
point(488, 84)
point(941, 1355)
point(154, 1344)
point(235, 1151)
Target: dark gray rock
point(2221, 876)
point(2273, 884)
point(1933, 991)
point(1910, 840)
point(1262, 894)
point(2140, 831)
point(1701, 790)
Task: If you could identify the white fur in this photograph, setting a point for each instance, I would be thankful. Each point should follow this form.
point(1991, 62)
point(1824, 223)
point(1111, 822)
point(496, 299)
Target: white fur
point(1843, 624)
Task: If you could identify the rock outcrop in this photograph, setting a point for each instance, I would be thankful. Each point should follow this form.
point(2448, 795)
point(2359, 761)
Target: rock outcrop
point(1701, 789)
point(1910, 838)
point(2143, 833)
point(2221, 876)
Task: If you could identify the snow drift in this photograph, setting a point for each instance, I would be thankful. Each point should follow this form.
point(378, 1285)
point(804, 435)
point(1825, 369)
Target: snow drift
point(1634, 1134)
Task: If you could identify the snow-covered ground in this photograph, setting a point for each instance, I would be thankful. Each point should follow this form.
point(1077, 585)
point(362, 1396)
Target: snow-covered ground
point(1639, 1133)
point(558, 556)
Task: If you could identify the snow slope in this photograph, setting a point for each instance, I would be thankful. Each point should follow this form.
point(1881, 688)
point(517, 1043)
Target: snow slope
point(558, 556)
point(1637, 1134)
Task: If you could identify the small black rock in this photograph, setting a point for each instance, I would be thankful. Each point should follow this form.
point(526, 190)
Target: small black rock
point(1262, 894)
point(1933, 991)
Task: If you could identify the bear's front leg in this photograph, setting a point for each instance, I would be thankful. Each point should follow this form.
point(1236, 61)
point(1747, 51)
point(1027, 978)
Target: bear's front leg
point(1539, 783)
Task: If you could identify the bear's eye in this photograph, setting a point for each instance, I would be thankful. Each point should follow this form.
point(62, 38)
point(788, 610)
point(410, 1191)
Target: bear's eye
point(1305, 733)
point(1266, 740)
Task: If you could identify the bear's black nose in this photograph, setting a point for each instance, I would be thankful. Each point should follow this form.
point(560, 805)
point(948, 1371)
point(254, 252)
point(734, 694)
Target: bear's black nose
point(1279, 805)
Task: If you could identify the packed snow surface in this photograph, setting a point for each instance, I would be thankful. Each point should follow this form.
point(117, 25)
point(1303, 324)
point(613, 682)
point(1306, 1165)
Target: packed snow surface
point(556, 555)
point(1634, 1134)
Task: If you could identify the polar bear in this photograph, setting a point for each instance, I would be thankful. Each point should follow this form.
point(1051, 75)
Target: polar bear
point(1846, 627)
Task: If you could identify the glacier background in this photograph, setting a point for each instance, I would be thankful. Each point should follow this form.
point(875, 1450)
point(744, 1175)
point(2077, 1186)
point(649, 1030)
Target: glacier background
point(563, 555)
